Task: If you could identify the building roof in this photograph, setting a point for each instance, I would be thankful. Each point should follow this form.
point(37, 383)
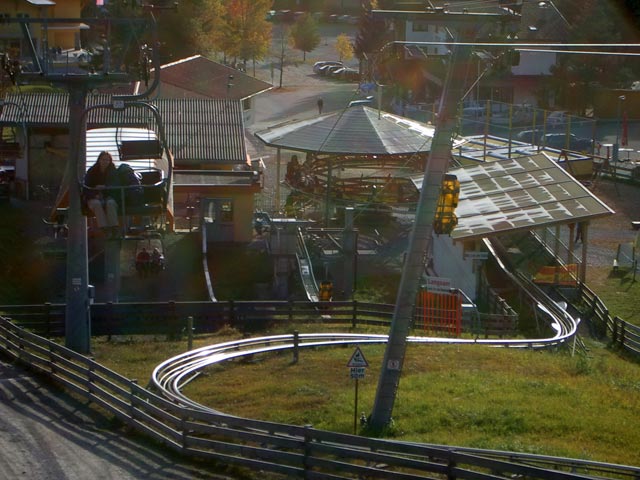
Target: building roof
point(198, 131)
point(357, 130)
point(519, 194)
point(207, 78)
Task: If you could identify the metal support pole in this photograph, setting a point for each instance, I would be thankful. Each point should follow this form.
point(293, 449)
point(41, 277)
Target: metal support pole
point(420, 239)
point(327, 202)
point(77, 313)
point(278, 158)
point(349, 249)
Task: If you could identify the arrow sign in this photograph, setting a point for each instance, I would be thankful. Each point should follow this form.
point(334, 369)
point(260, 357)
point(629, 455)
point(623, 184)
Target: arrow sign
point(357, 359)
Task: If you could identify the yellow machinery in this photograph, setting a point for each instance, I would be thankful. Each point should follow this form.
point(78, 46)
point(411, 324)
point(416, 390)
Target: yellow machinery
point(445, 220)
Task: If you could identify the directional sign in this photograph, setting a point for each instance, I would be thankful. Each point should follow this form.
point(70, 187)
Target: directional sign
point(438, 284)
point(476, 255)
point(357, 359)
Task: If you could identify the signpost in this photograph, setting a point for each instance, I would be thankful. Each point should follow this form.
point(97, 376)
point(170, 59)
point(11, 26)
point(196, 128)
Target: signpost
point(357, 365)
point(438, 284)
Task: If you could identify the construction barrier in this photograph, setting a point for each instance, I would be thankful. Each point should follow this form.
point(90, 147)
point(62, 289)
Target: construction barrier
point(557, 275)
point(439, 312)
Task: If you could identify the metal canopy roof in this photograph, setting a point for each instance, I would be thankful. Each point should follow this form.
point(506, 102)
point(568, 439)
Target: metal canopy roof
point(519, 194)
point(355, 131)
point(199, 130)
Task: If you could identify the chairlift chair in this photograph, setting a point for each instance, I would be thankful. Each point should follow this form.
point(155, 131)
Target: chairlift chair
point(150, 264)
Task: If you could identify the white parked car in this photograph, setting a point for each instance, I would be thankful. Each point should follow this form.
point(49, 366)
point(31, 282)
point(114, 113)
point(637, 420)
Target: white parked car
point(557, 119)
point(319, 65)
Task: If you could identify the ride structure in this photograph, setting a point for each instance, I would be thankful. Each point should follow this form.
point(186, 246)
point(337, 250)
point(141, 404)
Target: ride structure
point(78, 83)
point(466, 25)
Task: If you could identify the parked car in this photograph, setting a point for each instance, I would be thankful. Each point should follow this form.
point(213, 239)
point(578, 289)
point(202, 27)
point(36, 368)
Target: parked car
point(323, 63)
point(346, 73)
point(328, 69)
point(556, 140)
point(559, 140)
point(364, 101)
point(557, 119)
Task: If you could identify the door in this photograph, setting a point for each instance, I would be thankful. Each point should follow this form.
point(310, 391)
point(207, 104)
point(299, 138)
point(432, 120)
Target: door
point(218, 218)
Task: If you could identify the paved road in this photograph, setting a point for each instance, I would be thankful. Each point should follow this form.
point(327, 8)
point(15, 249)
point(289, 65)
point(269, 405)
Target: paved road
point(46, 435)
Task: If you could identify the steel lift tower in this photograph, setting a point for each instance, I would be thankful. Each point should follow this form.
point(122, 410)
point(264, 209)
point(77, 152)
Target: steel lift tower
point(77, 84)
point(465, 26)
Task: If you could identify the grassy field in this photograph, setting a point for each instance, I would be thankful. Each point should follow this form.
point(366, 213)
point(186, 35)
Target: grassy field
point(618, 291)
point(540, 402)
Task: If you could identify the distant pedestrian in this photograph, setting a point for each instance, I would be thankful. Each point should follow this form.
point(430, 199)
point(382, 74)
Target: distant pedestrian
point(579, 232)
point(320, 105)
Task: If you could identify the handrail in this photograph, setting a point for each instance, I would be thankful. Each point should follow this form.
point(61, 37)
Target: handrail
point(294, 451)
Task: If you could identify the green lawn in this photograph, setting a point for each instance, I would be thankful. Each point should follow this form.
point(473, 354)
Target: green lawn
point(539, 402)
point(618, 291)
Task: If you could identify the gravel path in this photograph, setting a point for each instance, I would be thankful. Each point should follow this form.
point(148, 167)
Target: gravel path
point(606, 233)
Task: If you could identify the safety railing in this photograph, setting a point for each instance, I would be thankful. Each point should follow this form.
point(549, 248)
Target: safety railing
point(293, 451)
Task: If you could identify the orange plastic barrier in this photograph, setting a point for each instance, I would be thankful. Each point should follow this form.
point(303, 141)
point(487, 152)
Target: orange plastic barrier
point(557, 275)
point(439, 312)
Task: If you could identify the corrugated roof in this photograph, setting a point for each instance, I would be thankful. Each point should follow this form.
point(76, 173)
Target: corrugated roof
point(211, 79)
point(198, 130)
point(519, 194)
point(204, 130)
point(357, 131)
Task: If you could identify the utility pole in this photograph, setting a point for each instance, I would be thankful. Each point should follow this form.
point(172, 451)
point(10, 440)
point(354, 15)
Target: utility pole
point(77, 310)
point(466, 25)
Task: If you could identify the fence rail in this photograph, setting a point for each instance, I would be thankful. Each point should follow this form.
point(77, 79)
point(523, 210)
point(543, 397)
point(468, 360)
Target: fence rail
point(293, 451)
point(622, 333)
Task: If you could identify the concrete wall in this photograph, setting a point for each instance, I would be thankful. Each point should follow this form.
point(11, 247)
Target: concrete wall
point(448, 262)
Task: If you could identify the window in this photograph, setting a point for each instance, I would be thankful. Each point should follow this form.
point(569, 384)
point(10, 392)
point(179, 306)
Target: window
point(226, 211)
point(246, 104)
point(420, 27)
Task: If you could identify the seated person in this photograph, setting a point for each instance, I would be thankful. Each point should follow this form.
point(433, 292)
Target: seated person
point(157, 260)
point(142, 261)
point(99, 199)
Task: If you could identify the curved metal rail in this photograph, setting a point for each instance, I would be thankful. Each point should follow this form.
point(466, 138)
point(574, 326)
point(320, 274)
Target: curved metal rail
point(173, 374)
point(305, 268)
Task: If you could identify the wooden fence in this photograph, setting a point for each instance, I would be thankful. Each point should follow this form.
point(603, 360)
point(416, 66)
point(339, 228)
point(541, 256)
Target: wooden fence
point(292, 451)
point(170, 318)
point(622, 333)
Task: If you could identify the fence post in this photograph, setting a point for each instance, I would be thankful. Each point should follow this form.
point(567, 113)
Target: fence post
point(296, 346)
point(614, 334)
point(307, 449)
point(47, 315)
point(450, 466)
point(110, 320)
point(190, 333)
point(354, 314)
point(173, 332)
point(622, 333)
point(232, 314)
point(132, 407)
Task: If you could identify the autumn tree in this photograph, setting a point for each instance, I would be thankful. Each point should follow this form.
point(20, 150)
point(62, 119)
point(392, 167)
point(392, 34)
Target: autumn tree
point(246, 33)
point(372, 35)
point(305, 35)
point(575, 76)
point(344, 47)
point(194, 28)
point(282, 36)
